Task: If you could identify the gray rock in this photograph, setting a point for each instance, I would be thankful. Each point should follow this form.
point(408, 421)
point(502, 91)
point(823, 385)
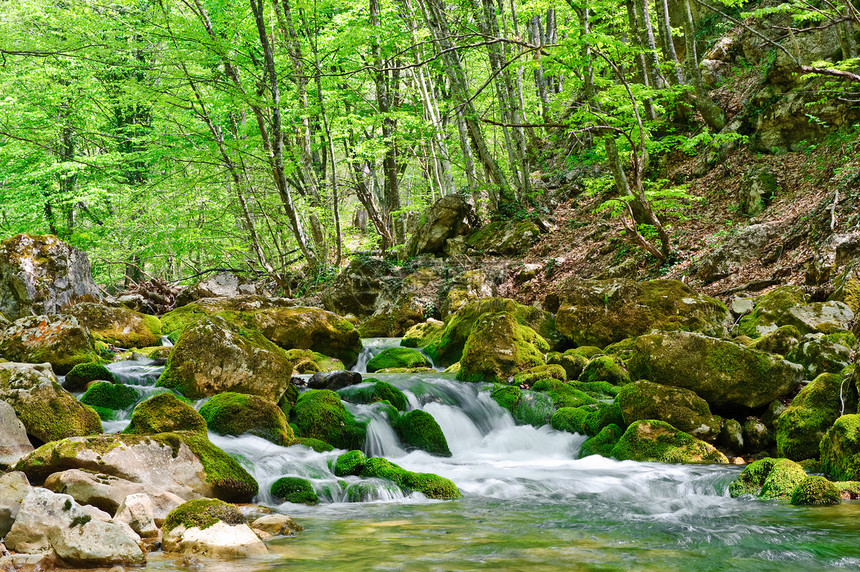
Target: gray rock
point(58, 339)
point(824, 317)
point(472, 285)
point(220, 285)
point(276, 525)
point(740, 306)
point(757, 189)
point(818, 355)
point(42, 275)
point(745, 246)
point(334, 380)
point(221, 540)
point(13, 436)
point(506, 238)
point(137, 512)
point(108, 492)
point(450, 216)
point(14, 486)
point(49, 521)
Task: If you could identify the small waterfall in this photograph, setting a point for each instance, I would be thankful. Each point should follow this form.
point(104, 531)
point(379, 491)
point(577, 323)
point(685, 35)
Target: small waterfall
point(371, 347)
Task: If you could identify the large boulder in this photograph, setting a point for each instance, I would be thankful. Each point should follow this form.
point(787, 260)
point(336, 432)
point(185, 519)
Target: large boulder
point(450, 216)
point(42, 275)
point(813, 411)
point(57, 339)
point(505, 237)
point(602, 312)
point(164, 413)
point(48, 521)
point(173, 323)
point(772, 310)
point(237, 413)
point(768, 479)
point(657, 441)
point(47, 411)
point(213, 356)
point(840, 449)
point(498, 347)
point(726, 375)
point(13, 436)
point(420, 430)
point(108, 492)
point(736, 251)
point(357, 287)
point(183, 463)
point(824, 317)
point(397, 357)
point(118, 325)
point(210, 528)
point(221, 284)
point(819, 355)
point(679, 407)
point(320, 414)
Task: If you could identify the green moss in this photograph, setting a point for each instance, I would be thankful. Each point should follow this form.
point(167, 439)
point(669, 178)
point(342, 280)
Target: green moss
point(588, 352)
point(499, 347)
point(83, 373)
point(107, 395)
point(812, 412)
point(849, 489)
point(430, 485)
point(507, 396)
point(532, 375)
point(202, 513)
point(164, 413)
point(602, 443)
point(572, 363)
point(295, 490)
point(373, 390)
point(426, 336)
point(679, 407)
point(104, 413)
point(526, 407)
point(596, 389)
point(768, 479)
point(307, 361)
point(657, 441)
point(602, 415)
point(319, 413)
point(237, 413)
point(771, 310)
point(229, 479)
point(418, 429)
point(315, 444)
point(605, 368)
point(349, 463)
point(815, 490)
point(751, 479)
point(840, 449)
point(562, 394)
point(397, 358)
point(49, 413)
point(780, 341)
point(570, 419)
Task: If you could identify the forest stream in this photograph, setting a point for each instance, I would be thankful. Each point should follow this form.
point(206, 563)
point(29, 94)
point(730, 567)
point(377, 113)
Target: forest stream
point(527, 504)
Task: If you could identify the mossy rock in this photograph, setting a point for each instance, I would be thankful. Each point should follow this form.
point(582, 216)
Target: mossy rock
point(499, 347)
point(849, 489)
point(724, 374)
point(47, 411)
point(605, 368)
point(202, 513)
point(307, 361)
point(840, 449)
point(373, 390)
point(800, 428)
point(768, 478)
point(294, 490)
point(118, 325)
point(397, 358)
point(425, 334)
point(164, 413)
point(534, 374)
point(213, 356)
point(107, 395)
point(130, 456)
point(451, 345)
point(846, 286)
point(349, 463)
point(311, 443)
point(418, 429)
point(237, 413)
point(815, 490)
point(588, 352)
point(319, 413)
point(526, 407)
point(780, 341)
point(772, 310)
point(679, 407)
point(602, 443)
point(572, 363)
point(657, 441)
point(430, 485)
point(570, 419)
point(600, 416)
point(506, 237)
point(57, 339)
point(562, 394)
point(819, 355)
point(602, 312)
point(83, 373)
point(596, 389)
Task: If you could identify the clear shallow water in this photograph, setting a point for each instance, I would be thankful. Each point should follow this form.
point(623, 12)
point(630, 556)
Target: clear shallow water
point(527, 504)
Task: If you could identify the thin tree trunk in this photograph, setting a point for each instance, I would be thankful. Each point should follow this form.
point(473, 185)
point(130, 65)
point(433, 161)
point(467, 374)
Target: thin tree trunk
point(710, 111)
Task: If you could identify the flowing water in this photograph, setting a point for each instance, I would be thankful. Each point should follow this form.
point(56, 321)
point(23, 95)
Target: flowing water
point(527, 503)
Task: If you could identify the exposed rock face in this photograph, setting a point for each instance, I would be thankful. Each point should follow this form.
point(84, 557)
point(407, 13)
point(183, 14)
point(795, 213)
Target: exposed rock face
point(118, 325)
point(47, 411)
point(601, 312)
point(819, 355)
point(57, 339)
point(738, 250)
point(679, 407)
point(183, 463)
point(507, 237)
point(108, 492)
point(446, 219)
point(13, 437)
point(47, 520)
point(42, 275)
point(723, 373)
point(468, 286)
point(357, 287)
point(213, 356)
point(222, 284)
